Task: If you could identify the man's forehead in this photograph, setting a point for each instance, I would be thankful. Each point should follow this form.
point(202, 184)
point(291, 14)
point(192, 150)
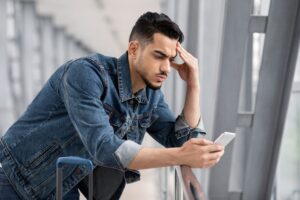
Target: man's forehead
point(164, 44)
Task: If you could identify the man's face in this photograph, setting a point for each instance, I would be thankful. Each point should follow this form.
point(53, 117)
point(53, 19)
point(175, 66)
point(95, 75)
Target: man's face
point(153, 62)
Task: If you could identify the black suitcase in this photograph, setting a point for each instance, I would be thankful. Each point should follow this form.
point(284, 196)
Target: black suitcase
point(77, 161)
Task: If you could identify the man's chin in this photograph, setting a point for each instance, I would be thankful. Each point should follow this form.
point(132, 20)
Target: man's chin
point(154, 87)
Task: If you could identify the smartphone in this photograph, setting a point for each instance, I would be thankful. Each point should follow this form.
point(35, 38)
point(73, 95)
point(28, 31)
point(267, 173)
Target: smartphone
point(225, 138)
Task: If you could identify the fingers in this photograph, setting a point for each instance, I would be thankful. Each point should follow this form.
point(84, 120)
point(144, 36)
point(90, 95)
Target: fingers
point(214, 148)
point(187, 58)
point(201, 141)
point(182, 50)
point(215, 156)
point(202, 153)
point(209, 164)
point(183, 53)
point(212, 159)
point(175, 65)
point(210, 146)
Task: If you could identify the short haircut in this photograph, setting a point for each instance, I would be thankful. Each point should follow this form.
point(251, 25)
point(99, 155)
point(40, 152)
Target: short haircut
point(150, 23)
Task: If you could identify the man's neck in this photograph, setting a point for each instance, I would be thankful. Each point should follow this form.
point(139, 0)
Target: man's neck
point(137, 83)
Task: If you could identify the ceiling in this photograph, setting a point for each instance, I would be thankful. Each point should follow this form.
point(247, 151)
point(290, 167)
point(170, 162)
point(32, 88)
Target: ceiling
point(102, 25)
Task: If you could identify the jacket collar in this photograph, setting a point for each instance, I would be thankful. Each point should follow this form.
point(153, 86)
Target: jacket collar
point(124, 82)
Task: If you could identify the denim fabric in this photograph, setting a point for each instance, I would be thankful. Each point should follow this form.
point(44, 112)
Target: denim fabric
point(86, 109)
point(7, 192)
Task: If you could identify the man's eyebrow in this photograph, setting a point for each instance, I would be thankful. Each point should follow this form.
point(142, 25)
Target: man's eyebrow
point(164, 55)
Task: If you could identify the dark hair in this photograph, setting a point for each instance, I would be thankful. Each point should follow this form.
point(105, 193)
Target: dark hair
point(152, 22)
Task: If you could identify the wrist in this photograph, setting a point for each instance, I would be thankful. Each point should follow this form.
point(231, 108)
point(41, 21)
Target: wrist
point(193, 86)
point(175, 156)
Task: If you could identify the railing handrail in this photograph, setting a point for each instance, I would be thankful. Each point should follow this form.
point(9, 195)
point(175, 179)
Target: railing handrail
point(191, 187)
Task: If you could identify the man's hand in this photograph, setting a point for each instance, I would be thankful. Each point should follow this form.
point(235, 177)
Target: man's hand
point(200, 153)
point(196, 152)
point(188, 70)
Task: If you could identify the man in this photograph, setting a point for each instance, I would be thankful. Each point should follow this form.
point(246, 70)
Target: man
point(99, 108)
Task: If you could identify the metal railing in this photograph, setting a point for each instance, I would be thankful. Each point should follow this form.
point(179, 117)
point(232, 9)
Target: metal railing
point(187, 187)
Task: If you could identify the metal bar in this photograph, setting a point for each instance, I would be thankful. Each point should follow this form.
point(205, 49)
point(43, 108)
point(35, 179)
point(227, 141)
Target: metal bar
point(274, 87)
point(91, 186)
point(178, 189)
point(235, 35)
point(245, 119)
point(258, 24)
point(59, 185)
point(244, 123)
point(187, 185)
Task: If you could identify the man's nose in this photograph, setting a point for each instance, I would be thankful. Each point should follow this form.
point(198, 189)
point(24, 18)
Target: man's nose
point(166, 67)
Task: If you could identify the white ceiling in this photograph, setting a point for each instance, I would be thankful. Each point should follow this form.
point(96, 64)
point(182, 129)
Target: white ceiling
point(102, 25)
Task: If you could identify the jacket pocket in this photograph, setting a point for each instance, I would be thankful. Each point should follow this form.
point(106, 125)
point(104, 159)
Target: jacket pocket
point(44, 156)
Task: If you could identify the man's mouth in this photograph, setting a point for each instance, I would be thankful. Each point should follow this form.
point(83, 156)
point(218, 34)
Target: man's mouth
point(161, 77)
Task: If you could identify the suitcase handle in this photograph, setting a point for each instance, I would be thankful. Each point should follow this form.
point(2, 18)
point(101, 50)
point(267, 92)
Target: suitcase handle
point(72, 160)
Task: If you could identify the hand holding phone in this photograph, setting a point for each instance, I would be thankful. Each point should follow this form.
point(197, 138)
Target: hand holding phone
point(225, 138)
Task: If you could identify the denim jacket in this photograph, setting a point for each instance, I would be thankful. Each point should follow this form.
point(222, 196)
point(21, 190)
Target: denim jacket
point(85, 109)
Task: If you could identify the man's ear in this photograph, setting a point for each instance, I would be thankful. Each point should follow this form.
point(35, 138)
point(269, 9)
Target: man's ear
point(133, 48)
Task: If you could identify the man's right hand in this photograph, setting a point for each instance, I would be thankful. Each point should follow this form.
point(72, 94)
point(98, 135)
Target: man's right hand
point(196, 153)
point(200, 153)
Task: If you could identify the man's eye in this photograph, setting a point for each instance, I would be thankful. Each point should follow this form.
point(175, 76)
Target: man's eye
point(158, 57)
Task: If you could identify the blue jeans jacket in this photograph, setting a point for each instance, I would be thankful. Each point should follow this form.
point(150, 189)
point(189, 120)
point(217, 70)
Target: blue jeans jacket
point(85, 109)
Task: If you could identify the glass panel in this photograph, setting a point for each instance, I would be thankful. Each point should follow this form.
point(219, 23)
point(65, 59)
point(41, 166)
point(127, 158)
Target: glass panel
point(288, 172)
point(261, 7)
point(258, 45)
point(297, 72)
point(288, 169)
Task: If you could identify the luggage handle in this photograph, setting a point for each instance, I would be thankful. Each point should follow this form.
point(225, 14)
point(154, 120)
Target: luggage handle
point(72, 160)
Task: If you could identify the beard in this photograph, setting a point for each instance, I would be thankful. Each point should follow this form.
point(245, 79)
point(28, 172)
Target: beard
point(148, 82)
point(150, 85)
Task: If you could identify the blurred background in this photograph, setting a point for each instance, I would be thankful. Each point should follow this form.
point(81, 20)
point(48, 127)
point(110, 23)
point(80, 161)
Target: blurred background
point(249, 69)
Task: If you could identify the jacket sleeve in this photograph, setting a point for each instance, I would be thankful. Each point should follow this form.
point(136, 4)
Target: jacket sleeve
point(170, 131)
point(81, 88)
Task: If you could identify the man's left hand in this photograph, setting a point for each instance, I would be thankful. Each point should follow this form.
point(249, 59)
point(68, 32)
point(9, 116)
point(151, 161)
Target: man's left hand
point(188, 70)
